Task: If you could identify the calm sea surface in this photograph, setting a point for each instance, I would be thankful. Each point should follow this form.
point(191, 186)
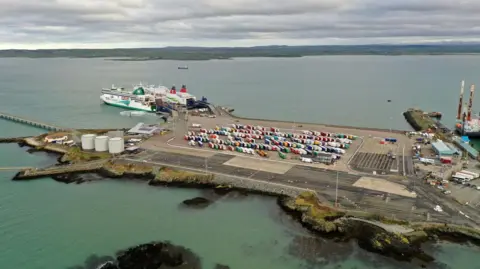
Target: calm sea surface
point(45, 224)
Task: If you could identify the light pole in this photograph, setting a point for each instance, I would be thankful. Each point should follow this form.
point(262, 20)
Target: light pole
point(206, 165)
point(336, 192)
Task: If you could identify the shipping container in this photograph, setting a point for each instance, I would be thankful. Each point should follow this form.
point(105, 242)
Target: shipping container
point(475, 175)
point(445, 160)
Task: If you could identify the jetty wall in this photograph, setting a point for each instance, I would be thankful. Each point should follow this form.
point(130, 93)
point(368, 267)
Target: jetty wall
point(30, 122)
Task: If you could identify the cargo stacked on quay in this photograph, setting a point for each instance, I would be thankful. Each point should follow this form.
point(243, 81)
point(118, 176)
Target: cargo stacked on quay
point(257, 139)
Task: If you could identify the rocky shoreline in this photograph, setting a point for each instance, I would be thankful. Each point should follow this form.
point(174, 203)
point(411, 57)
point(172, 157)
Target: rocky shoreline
point(322, 219)
point(342, 225)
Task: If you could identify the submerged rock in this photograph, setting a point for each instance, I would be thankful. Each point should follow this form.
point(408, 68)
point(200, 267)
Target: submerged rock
point(95, 262)
point(32, 150)
point(221, 266)
point(155, 255)
point(68, 178)
point(198, 202)
point(109, 265)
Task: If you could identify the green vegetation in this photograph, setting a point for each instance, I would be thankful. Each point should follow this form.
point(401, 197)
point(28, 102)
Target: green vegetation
point(419, 120)
point(320, 217)
point(169, 175)
point(385, 220)
point(448, 229)
point(131, 168)
point(315, 209)
point(75, 155)
point(201, 53)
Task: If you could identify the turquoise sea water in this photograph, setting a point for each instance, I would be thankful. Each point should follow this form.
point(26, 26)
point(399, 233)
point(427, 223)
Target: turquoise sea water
point(45, 224)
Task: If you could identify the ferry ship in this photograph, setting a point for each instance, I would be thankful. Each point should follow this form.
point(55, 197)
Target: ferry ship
point(144, 98)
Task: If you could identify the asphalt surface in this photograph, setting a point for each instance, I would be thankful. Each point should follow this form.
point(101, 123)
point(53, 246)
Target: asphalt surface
point(381, 163)
point(320, 180)
point(324, 181)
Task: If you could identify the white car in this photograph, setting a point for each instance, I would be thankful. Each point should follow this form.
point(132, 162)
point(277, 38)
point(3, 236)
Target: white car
point(438, 208)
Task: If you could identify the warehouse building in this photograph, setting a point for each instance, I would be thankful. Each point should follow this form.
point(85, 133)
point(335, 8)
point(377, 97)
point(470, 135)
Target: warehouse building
point(442, 149)
point(461, 142)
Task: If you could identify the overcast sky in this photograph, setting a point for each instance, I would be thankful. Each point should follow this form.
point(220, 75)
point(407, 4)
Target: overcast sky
point(159, 23)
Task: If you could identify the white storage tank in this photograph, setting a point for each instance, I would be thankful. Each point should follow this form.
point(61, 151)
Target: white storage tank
point(101, 143)
point(88, 142)
point(116, 145)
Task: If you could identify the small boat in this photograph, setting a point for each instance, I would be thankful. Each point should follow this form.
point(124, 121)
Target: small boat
point(183, 67)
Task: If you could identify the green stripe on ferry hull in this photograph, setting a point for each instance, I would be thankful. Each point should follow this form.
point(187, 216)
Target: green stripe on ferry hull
point(128, 107)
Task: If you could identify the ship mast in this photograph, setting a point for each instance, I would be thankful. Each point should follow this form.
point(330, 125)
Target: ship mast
point(460, 103)
point(470, 103)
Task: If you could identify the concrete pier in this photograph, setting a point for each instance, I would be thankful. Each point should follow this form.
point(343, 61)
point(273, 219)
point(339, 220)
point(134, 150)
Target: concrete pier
point(13, 139)
point(33, 173)
point(14, 168)
point(30, 122)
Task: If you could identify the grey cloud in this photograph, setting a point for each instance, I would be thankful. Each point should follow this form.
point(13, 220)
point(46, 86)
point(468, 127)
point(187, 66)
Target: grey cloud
point(259, 21)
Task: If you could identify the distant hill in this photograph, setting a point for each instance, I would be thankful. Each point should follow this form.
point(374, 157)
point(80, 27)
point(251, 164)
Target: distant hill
point(203, 53)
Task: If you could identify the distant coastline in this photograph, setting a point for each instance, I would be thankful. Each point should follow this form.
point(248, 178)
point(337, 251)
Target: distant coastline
point(224, 53)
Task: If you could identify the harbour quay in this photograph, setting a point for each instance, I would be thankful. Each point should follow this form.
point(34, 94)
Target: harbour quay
point(371, 171)
point(288, 142)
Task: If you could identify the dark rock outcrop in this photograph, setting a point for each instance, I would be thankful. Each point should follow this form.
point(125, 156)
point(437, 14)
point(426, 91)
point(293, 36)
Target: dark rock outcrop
point(368, 236)
point(155, 255)
point(32, 150)
point(197, 202)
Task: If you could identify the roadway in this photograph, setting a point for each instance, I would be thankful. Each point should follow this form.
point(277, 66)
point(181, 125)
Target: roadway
point(322, 181)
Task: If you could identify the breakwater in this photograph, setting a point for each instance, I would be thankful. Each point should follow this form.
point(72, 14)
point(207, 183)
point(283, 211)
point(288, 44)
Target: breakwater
point(33, 173)
point(155, 175)
point(34, 123)
point(13, 139)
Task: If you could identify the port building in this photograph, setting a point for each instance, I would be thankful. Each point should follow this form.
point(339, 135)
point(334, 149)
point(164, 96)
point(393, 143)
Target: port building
point(463, 145)
point(144, 129)
point(443, 149)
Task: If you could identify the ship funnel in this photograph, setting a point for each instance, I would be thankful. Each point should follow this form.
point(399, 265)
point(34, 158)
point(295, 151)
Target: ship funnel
point(173, 90)
point(460, 103)
point(470, 103)
point(183, 89)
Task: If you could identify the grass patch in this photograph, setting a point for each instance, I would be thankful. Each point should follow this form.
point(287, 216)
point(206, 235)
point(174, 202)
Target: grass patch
point(75, 155)
point(424, 121)
point(166, 174)
point(314, 209)
point(129, 167)
point(385, 220)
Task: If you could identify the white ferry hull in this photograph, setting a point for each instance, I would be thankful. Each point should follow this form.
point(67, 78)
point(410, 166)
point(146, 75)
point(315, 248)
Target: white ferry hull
point(117, 101)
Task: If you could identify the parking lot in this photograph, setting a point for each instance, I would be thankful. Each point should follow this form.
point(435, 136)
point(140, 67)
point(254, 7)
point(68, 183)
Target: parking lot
point(465, 193)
